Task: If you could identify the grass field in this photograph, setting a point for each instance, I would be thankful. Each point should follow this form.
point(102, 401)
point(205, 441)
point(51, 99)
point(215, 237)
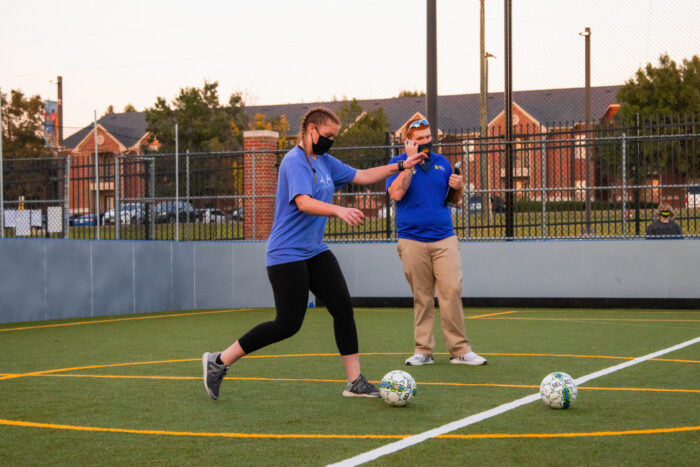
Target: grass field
point(127, 390)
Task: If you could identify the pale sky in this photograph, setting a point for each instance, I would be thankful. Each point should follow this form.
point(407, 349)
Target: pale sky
point(278, 52)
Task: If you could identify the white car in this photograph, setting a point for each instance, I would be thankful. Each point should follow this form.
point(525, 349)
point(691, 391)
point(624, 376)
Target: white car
point(693, 199)
point(213, 216)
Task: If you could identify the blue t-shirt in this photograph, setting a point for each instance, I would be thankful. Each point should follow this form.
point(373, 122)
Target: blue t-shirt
point(421, 214)
point(296, 235)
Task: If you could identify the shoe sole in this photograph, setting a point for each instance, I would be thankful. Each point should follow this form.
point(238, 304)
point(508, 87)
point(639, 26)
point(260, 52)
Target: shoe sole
point(467, 363)
point(205, 360)
point(347, 393)
point(420, 364)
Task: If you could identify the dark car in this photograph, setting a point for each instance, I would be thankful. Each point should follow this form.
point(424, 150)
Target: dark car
point(498, 204)
point(474, 203)
point(166, 212)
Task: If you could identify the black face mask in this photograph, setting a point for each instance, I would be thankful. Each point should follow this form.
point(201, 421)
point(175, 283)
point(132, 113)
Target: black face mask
point(322, 146)
point(426, 148)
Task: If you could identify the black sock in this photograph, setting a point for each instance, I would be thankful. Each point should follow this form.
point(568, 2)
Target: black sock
point(218, 360)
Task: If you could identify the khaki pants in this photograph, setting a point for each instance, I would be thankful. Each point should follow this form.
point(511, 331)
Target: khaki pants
point(429, 268)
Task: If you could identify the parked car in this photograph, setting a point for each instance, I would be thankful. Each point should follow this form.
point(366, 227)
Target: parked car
point(85, 220)
point(237, 214)
point(216, 216)
point(693, 199)
point(475, 203)
point(498, 204)
point(129, 213)
point(381, 213)
point(71, 219)
point(166, 212)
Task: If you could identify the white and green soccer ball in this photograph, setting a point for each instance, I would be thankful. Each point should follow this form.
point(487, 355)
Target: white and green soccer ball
point(397, 388)
point(558, 390)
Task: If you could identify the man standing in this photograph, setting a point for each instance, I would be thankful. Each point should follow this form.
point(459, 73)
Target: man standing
point(429, 248)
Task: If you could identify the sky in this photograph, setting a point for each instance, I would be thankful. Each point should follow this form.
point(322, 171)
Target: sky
point(278, 52)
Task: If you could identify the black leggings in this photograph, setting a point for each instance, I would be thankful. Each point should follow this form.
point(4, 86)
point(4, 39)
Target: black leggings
point(291, 283)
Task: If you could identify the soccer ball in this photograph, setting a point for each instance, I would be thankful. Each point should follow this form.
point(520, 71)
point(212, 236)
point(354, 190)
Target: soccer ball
point(558, 390)
point(397, 388)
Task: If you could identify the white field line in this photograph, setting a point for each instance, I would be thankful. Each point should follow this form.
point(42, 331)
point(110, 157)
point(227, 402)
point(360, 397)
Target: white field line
point(472, 419)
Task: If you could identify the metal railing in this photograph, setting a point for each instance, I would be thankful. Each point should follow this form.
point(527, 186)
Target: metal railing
point(570, 180)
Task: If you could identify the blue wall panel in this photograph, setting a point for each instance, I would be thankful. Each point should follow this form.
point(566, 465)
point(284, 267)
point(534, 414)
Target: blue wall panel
point(69, 287)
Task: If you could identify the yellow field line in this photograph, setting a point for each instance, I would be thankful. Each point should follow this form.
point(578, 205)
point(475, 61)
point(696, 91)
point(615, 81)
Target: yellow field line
point(177, 315)
point(21, 423)
point(91, 367)
point(5, 376)
point(572, 435)
point(607, 319)
point(114, 320)
point(492, 314)
point(320, 380)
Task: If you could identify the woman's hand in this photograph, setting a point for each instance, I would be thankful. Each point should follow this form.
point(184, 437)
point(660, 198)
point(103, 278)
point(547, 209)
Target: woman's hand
point(351, 216)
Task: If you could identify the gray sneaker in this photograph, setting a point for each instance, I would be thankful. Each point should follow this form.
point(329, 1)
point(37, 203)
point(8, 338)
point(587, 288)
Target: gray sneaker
point(361, 388)
point(213, 374)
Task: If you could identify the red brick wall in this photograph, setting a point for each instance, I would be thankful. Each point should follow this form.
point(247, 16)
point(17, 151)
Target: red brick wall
point(259, 179)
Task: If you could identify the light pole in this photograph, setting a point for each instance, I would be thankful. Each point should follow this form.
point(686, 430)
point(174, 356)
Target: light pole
point(587, 117)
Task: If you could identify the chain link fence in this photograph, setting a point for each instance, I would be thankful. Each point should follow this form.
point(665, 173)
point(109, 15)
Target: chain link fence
point(566, 180)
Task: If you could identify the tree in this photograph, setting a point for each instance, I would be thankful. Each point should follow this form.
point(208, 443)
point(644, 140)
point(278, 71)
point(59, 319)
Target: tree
point(666, 89)
point(23, 138)
point(110, 110)
point(414, 93)
point(129, 108)
point(360, 127)
point(663, 100)
point(22, 126)
point(279, 123)
point(204, 124)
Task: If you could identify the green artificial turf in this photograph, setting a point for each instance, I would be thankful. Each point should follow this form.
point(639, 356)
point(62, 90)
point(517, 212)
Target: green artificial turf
point(294, 388)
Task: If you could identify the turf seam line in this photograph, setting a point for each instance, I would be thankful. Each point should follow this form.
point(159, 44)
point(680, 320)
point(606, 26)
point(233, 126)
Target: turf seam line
point(472, 419)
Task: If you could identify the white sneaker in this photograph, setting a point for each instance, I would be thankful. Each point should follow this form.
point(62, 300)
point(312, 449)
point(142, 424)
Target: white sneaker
point(420, 359)
point(469, 359)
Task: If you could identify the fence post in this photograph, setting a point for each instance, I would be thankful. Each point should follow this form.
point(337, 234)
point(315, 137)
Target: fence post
point(187, 191)
point(260, 148)
point(97, 183)
point(117, 208)
point(466, 195)
point(177, 188)
point(66, 200)
point(543, 168)
point(636, 176)
point(624, 182)
point(2, 186)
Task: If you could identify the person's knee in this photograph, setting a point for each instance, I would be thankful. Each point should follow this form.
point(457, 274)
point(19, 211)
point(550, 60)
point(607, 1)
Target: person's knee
point(288, 328)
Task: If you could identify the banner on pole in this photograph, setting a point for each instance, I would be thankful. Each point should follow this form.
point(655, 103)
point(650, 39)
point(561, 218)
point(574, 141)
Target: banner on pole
point(50, 133)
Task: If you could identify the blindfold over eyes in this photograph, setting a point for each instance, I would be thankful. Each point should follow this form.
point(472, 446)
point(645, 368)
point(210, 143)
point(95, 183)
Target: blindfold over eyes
point(665, 213)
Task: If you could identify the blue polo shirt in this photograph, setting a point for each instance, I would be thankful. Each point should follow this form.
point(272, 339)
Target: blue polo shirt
point(295, 235)
point(421, 214)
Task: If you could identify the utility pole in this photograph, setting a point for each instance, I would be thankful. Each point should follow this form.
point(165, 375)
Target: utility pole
point(483, 115)
point(587, 133)
point(59, 114)
point(431, 88)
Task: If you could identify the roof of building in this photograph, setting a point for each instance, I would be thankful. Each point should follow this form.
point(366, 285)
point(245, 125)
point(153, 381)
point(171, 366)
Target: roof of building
point(461, 111)
point(455, 112)
point(128, 128)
